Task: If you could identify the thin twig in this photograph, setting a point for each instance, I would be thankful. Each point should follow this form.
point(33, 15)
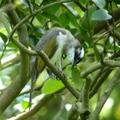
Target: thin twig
point(80, 5)
point(22, 47)
point(91, 69)
point(99, 82)
point(98, 75)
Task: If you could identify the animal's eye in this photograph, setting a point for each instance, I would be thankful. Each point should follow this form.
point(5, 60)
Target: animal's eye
point(78, 58)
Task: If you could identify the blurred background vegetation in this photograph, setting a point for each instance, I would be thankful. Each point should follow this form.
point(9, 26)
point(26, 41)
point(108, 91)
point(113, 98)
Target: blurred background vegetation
point(96, 24)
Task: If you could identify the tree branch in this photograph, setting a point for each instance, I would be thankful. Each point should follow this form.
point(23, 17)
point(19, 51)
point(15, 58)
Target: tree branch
point(84, 110)
point(99, 82)
point(80, 5)
point(98, 76)
point(33, 109)
point(72, 114)
point(10, 60)
point(22, 47)
point(106, 94)
point(17, 85)
point(102, 25)
point(85, 93)
point(91, 69)
point(58, 73)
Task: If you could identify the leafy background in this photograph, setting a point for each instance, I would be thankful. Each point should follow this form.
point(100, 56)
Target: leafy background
point(96, 25)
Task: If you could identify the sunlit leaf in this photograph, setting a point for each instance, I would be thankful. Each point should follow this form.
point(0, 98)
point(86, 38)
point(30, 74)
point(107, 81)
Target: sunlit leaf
point(52, 86)
point(12, 47)
point(24, 104)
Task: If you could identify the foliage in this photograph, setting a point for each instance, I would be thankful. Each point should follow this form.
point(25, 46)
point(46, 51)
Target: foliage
point(91, 90)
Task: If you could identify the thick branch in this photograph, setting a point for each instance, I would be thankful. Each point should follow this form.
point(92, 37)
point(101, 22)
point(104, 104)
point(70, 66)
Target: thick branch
point(85, 93)
point(84, 110)
point(72, 114)
point(14, 89)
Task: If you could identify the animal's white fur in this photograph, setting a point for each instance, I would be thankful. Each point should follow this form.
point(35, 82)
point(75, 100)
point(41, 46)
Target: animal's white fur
point(64, 41)
point(82, 53)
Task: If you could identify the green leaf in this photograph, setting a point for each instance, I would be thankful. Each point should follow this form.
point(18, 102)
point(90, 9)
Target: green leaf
point(71, 18)
point(4, 38)
point(116, 1)
point(50, 16)
point(85, 35)
point(25, 2)
point(71, 29)
point(12, 47)
point(24, 104)
point(52, 86)
point(41, 19)
point(100, 3)
point(2, 2)
point(63, 19)
point(87, 23)
point(33, 39)
point(97, 54)
point(70, 9)
point(84, 1)
point(39, 30)
point(101, 15)
point(54, 9)
point(76, 78)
